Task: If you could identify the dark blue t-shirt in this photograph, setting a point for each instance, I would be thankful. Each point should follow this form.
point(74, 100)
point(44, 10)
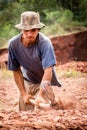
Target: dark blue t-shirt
point(33, 59)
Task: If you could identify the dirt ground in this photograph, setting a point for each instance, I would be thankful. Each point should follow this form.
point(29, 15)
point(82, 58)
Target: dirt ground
point(71, 114)
point(72, 98)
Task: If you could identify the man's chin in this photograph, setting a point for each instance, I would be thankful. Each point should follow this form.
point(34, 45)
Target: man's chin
point(31, 40)
point(29, 44)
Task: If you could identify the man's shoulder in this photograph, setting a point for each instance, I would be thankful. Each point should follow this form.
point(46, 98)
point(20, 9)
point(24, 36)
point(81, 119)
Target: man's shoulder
point(14, 41)
point(43, 37)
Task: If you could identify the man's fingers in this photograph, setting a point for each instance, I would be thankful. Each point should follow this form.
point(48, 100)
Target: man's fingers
point(26, 98)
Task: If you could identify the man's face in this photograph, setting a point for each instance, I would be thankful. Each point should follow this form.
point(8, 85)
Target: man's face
point(29, 36)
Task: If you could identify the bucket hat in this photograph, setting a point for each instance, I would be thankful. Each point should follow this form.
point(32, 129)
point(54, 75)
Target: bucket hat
point(30, 20)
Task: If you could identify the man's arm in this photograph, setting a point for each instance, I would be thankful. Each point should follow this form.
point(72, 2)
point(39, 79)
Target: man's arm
point(47, 74)
point(46, 90)
point(20, 83)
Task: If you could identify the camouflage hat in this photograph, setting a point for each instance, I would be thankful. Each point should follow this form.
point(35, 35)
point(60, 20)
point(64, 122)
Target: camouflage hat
point(30, 20)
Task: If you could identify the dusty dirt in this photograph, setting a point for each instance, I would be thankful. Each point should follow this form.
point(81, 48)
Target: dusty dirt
point(71, 97)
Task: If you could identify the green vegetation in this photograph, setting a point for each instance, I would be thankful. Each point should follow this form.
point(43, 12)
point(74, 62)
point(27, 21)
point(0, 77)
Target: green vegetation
point(5, 75)
point(2, 42)
point(72, 73)
point(60, 16)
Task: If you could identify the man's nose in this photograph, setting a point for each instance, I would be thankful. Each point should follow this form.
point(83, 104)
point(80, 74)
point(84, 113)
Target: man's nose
point(29, 33)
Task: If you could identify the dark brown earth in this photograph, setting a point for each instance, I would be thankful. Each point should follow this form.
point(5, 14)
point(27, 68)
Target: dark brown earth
point(70, 47)
point(72, 96)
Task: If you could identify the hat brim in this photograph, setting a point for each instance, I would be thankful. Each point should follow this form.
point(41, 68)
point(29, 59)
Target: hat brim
point(29, 27)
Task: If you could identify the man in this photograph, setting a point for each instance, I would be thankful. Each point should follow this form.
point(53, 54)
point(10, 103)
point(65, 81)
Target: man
point(32, 60)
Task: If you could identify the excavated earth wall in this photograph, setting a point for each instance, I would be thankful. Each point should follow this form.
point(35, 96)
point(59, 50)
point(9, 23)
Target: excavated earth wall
point(70, 47)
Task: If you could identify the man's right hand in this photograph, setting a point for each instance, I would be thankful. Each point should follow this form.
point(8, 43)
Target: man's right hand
point(26, 98)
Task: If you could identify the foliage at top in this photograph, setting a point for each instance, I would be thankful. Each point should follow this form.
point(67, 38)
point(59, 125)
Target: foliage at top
point(54, 13)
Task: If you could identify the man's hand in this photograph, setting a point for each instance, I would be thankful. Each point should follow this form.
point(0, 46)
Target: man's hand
point(26, 98)
point(46, 97)
point(46, 92)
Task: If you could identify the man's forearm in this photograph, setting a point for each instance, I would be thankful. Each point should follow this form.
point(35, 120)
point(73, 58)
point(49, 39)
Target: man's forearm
point(19, 81)
point(47, 74)
point(46, 89)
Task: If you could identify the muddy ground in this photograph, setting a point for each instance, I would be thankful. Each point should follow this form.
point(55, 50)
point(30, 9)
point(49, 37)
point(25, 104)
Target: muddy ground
point(71, 97)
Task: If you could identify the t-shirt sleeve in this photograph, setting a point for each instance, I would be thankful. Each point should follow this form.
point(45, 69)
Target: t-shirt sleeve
point(47, 54)
point(13, 63)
